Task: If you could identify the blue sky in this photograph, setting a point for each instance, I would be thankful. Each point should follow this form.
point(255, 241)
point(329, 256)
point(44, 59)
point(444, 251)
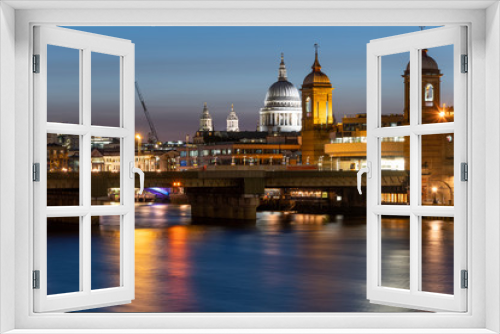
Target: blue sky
point(180, 68)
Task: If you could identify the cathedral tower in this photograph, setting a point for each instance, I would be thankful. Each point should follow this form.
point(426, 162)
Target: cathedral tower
point(317, 113)
point(206, 120)
point(232, 121)
point(431, 90)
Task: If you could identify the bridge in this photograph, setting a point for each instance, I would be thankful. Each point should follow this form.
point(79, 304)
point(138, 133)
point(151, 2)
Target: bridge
point(235, 194)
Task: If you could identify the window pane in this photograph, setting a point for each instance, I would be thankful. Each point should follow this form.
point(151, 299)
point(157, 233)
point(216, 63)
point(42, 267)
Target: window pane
point(395, 233)
point(437, 254)
point(105, 178)
point(105, 252)
point(437, 85)
point(395, 170)
point(63, 255)
point(437, 169)
point(63, 84)
point(63, 169)
point(105, 89)
point(395, 89)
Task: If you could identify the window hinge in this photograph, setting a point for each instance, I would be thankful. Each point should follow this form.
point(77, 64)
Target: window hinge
point(465, 64)
point(36, 279)
point(36, 63)
point(465, 279)
point(36, 172)
point(464, 173)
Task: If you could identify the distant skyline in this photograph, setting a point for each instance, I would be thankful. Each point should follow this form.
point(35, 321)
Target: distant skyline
point(180, 68)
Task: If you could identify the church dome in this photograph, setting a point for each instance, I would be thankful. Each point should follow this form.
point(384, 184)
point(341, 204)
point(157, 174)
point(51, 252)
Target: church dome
point(282, 91)
point(316, 78)
point(282, 109)
point(429, 65)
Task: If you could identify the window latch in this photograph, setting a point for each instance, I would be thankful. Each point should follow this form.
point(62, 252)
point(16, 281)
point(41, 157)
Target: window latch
point(368, 171)
point(133, 170)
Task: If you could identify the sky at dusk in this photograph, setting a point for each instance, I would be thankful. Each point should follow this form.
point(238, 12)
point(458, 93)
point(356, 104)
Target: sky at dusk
point(180, 68)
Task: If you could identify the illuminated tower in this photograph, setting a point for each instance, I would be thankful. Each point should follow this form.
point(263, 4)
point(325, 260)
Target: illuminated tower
point(437, 156)
point(206, 120)
point(232, 121)
point(317, 113)
point(431, 90)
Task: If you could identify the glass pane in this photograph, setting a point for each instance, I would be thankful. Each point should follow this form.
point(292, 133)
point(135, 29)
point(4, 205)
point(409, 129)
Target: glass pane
point(395, 234)
point(437, 169)
point(105, 89)
point(63, 170)
point(105, 252)
point(395, 170)
point(63, 255)
point(395, 89)
point(63, 84)
point(437, 254)
point(105, 178)
point(437, 85)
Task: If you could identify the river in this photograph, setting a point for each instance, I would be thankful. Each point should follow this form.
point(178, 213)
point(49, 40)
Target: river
point(285, 262)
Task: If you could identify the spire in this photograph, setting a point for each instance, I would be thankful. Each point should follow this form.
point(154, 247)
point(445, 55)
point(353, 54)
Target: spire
point(205, 108)
point(232, 107)
point(282, 71)
point(316, 66)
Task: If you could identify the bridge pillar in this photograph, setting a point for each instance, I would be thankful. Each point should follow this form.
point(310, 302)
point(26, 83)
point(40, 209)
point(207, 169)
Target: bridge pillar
point(223, 206)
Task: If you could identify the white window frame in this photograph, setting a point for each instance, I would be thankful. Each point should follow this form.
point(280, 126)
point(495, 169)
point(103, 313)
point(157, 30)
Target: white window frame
point(413, 43)
point(85, 44)
point(483, 20)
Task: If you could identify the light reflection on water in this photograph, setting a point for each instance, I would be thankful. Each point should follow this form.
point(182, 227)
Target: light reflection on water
point(284, 263)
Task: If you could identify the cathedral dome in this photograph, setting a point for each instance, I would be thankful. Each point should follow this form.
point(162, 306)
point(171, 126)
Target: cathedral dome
point(282, 109)
point(429, 65)
point(282, 91)
point(316, 78)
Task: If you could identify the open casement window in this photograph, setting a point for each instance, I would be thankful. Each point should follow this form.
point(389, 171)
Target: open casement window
point(433, 137)
point(64, 166)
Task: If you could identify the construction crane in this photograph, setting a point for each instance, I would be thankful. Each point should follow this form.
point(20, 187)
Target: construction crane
point(152, 135)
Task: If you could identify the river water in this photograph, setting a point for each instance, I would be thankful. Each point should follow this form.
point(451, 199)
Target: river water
point(285, 262)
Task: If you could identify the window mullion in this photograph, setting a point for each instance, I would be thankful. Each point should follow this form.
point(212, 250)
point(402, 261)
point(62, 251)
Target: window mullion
point(85, 169)
point(415, 90)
